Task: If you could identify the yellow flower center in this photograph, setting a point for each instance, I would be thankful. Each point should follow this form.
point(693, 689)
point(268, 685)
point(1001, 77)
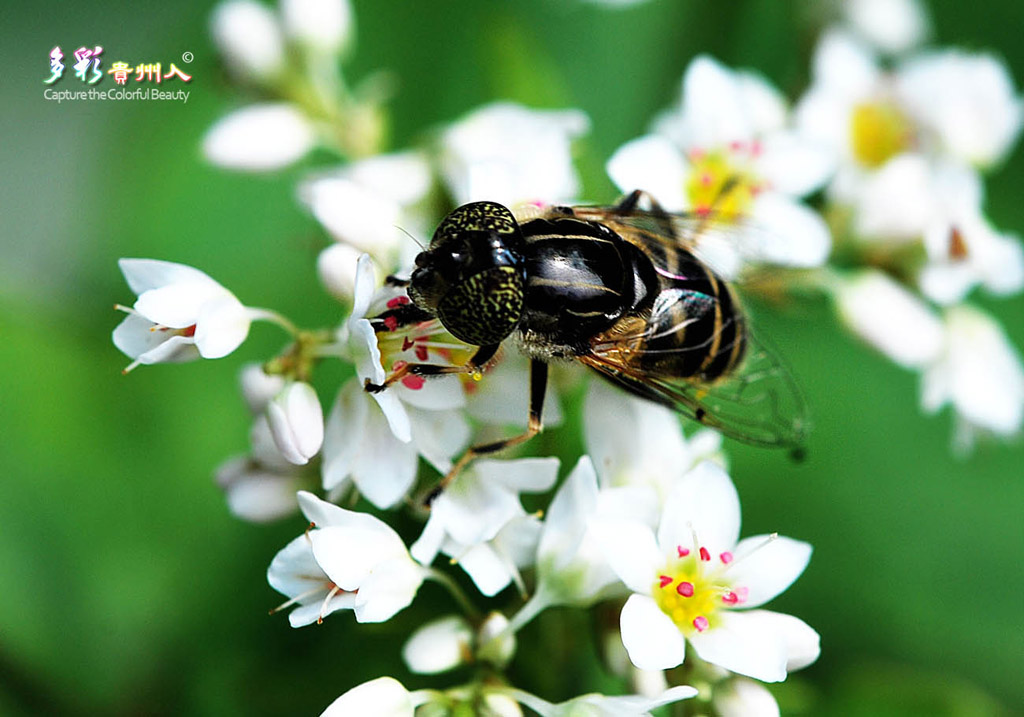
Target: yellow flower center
point(692, 591)
point(719, 182)
point(878, 132)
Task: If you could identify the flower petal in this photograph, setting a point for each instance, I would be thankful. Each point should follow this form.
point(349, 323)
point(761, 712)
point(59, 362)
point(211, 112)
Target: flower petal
point(704, 502)
point(803, 644)
point(793, 165)
point(650, 637)
point(247, 34)
point(767, 566)
point(383, 697)
point(529, 475)
point(438, 646)
point(385, 467)
point(144, 275)
point(259, 138)
point(745, 644)
point(799, 236)
point(654, 164)
point(389, 588)
point(632, 552)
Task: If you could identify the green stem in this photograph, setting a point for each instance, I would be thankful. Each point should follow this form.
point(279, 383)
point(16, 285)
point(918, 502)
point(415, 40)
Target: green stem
point(456, 592)
point(257, 314)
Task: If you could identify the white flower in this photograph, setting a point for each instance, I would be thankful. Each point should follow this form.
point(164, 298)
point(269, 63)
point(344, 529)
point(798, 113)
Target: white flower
point(260, 487)
point(964, 250)
point(501, 398)
point(259, 138)
point(740, 697)
point(638, 443)
point(965, 102)
point(373, 203)
point(374, 439)
point(348, 560)
point(727, 150)
point(180, 315)
point(479, 521)
point(258, 387)
point(336, 267)
point(440, 645)
point(979, 373)
point(297, 422)
point(694, 583)
point(597, 705)
point(890, 25)
point(248, 35)
point(890, 318)
point(323, 25)
point(382, 697)
point(508, 153)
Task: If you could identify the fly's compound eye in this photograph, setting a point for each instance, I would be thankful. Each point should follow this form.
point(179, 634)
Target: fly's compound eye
point(484, 308)
point(475, 217)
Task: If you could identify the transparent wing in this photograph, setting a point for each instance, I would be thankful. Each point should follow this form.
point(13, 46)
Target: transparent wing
point(758, 403)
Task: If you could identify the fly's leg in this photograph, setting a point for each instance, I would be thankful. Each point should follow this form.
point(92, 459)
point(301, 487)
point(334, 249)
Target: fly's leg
point(538, 387)
point(426, 370)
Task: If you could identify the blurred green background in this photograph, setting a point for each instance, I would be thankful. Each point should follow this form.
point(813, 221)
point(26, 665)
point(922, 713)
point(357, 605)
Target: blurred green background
point(125, 585)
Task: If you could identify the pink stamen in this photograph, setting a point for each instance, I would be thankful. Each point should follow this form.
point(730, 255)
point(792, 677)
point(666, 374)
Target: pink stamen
point(664, 580)
point(736, 145)
point(730, 598)
point(706, 179)
point(701, 623)
point(683, 552)
point(697, 154)
point(756, 147)
point(421, 352)
point(702, 210)
point(685, 589)
point(391, 322)
point(726, 557)
point(704, 554)
point(398, 301)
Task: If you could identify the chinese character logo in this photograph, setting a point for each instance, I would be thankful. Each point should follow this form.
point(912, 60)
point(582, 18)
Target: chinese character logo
point(87, 58)
point(56, 66)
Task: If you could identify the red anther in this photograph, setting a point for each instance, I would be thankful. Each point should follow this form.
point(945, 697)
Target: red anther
point(704, 554)
point(665, 580)
point(421, 353)
point(391, 323)
point(756, 147)
point(706, 178)
point(407, 343)
point(413, 381)
point(685, 589)
point(189, 330)
point(397, 301)
point(736, 145)
point(730, 598)
point(701, 623)
point(726, 557)
point(683, 552)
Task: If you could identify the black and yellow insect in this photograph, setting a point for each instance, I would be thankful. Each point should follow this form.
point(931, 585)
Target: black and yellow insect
point(620, 289)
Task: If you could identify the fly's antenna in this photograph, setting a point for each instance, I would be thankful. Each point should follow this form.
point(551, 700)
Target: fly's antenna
point(418, 242)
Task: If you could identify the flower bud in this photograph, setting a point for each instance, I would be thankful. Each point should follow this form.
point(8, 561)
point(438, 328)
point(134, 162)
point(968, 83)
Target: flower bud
point(258, 388)
point(259, 138)
point(247, 34)
point(297, 422)
point(324, 25)
point(438, 646)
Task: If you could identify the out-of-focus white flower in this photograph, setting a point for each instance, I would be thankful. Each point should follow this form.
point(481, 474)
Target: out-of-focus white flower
point(694, 583)
point(479, 521)
point(508, 153)
point(348, 560)
point(892, 26)
point(890, 318)
point(965, 103)
point(336, 267)
point(297, 422)
point(258, 387)
point(440, 645)
point(371, 204)
point(502, 399)
point(247, 34)
point(180, 315)
point(637, 443)
point(374, 439)
point(259, 138)
point(979, 373)
point(260, 487)
point(598, 705)
point(727, 150)
point(964, 250)
point(740, 697)
point(382, 697)
point(322, 25)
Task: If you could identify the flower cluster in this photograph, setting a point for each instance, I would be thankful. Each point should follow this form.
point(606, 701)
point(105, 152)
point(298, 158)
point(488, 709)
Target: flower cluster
point(867, 190)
